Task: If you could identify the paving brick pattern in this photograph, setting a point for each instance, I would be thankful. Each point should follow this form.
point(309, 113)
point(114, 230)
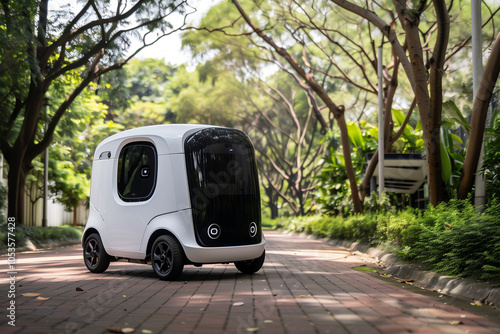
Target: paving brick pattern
point(305, 286)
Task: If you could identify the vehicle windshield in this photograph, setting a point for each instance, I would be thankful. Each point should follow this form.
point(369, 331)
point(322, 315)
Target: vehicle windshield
point(224, 188)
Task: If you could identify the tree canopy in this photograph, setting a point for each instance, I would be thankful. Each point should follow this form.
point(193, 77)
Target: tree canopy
point(46, 50)
point(330, 49)
point(299, 77)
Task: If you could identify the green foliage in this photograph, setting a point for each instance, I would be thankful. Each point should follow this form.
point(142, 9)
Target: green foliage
point(458, 241)
point(3, 202)
point(452, 151)
point(451, 109)
point(70, 187)
point(40, 236)
point(411, 140)
point(15, 38)
point(373, 204)
point(334, 194)
point(491, 163)
point(214, 101)
point(452, 238)
point(219, 52)
point(58, 52)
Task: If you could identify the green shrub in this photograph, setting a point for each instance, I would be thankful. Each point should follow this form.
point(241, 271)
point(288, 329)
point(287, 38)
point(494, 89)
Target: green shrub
point(404, 228)
point(452, 238)
point(40, 235)
point(3, 202)
point(491, 163)
point(466, 245)
point(19, 236)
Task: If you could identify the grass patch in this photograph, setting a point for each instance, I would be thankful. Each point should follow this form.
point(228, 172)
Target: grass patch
point(365, 269)
point(270, 224)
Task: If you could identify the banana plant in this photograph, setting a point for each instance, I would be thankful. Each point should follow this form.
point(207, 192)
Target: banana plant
point(452, 146)
point(411, 139)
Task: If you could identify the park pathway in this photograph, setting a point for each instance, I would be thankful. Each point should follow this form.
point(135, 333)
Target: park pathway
point(305, 286)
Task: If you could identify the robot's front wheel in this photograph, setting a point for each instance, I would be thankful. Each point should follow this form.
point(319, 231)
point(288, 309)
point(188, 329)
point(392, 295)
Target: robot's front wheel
point(251, 266)
point(166, 258)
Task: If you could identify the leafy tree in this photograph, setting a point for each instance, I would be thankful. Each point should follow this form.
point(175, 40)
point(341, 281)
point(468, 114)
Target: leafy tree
point(420, 24)
point(147, 78)
point(193, 97)
point(71, 152)
point(478, 119)
point(135, 94)
point(40, 45)
point(113, 91)
point(334, 192)
point(70, 188)
point(73, 147)
point(286, 137)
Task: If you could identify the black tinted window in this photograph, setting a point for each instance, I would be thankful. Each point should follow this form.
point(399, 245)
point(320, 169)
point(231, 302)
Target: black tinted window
point(137, 171)
point(224, 187)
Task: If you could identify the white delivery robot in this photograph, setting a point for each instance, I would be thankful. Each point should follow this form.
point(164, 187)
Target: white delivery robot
point(172, 195)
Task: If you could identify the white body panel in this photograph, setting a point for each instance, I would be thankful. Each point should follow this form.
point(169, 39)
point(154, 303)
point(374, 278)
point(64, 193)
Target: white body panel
point(180, 224)
point(126, 227)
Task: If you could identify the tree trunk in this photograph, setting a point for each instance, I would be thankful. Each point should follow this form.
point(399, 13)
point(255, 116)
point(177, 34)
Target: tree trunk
point(12, 193)
point(75, 215)
point(346, 149)
point(19, 158)
point(478, 120)
point(390, 91)
point(16, 181)
point(274, 210)
point(430, 126)
point(436, 96)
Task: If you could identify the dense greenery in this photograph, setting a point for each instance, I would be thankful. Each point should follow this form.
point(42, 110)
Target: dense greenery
point(40, 236)
point(238, 83)
point(51, 49)
point(452, 238)
point(491, 164)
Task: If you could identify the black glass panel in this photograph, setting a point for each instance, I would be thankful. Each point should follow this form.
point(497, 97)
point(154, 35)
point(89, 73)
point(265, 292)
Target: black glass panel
point(224, 187)
point(137, 171)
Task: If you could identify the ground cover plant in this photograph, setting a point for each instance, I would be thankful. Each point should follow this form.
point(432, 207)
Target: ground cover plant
point(40, 236)
point(452, 238)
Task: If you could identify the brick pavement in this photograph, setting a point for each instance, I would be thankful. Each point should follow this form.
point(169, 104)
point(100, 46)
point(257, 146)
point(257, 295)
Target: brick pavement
point(305, 286)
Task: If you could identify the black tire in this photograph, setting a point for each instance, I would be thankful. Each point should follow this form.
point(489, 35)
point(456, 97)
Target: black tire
point(251, 266)
point(94, 255)
point(166, 258)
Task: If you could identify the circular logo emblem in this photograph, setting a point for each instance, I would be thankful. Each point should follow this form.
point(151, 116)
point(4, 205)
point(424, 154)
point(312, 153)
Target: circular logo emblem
point(213, 231)
point(252, 230)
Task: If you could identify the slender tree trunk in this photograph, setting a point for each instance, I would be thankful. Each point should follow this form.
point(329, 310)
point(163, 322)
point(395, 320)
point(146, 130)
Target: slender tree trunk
point(273, 206)
point(390, 91)
point(346, 149)
point(75, 215)
point(436, 95)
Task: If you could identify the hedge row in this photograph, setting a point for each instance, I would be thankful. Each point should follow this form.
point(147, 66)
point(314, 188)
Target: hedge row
point(452, 238)
point(39, 235)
